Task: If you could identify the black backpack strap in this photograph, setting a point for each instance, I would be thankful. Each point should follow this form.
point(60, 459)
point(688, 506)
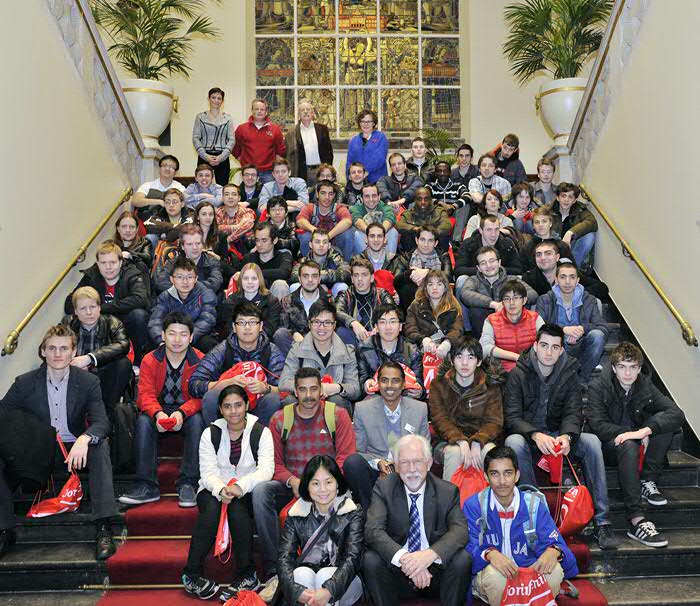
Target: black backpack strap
point(255, 434)
point(215, 436)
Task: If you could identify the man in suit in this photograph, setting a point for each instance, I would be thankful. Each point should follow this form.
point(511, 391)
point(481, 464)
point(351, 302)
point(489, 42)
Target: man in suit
point(70, 400)
point(308, 145)
point(379, 423)
point(419, 548)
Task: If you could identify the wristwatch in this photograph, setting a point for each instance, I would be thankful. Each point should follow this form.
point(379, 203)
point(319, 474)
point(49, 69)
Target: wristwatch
point(561, 553)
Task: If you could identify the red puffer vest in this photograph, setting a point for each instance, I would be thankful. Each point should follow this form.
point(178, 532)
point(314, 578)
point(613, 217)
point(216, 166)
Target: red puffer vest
point(514, 337)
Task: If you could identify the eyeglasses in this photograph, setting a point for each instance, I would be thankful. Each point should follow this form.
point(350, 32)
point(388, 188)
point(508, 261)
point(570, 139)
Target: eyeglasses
point(184, 278)
point(366, 121)
point(247, 323)
point(324, 323)
point(393, 322)
point(513, 299)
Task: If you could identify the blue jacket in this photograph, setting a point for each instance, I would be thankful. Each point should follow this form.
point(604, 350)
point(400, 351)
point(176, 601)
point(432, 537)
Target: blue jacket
point(547, 535)
point(372, 155)
point(549, 307)
point(227, 354)
point(200, 305)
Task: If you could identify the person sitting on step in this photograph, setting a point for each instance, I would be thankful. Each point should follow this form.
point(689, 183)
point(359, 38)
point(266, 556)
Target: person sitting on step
point(236, 454)
point(335, 271)
point(398, 188)
point(572, 219)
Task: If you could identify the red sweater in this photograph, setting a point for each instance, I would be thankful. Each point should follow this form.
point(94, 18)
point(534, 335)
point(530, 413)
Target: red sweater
point(152, 378)
point(307, 438)
point(259, 146)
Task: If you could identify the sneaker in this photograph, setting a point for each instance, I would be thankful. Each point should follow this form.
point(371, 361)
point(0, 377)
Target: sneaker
point(186, 496)
point(140, 494)
point(249, 582)
point(203, 588)
point(270, 589)
point(606, 538)
point(645, 532)
point(651, 494)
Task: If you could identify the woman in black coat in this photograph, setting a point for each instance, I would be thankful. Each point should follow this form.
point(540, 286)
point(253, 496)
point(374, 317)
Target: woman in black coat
point(328, 528)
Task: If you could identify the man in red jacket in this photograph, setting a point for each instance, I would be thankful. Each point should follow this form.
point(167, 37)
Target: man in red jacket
point(166, 406)
point(259, 141)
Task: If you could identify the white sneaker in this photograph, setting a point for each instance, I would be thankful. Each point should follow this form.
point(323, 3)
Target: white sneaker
point(270, 589)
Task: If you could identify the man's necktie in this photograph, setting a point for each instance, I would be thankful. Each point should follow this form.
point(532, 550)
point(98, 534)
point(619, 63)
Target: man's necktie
point(413, 525)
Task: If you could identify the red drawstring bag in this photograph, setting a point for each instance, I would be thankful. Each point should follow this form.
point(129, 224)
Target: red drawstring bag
point(223, 533)
point(68, 499)
point(383, 278)
point(469, 481)
point(409, 383)
point(232, 288)
point(553, 465)
point(574, 508)
point(431, 363)
point(245, 598)
point(528, 588)
point(250, 370)
point(285, 511)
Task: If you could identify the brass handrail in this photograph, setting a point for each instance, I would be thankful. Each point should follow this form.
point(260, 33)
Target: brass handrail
point(13, 337)
point(686, 329)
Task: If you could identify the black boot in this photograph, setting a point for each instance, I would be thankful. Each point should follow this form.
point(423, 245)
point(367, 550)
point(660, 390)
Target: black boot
point(105, 541)
point(8, 538)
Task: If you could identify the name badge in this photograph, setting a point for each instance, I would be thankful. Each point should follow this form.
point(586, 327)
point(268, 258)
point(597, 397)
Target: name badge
point(409, 428)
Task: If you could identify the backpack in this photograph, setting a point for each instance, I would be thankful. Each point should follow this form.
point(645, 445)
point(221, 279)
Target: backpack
point(255, 434)
point(533, 499)
point(328, 415)
point(123, 435)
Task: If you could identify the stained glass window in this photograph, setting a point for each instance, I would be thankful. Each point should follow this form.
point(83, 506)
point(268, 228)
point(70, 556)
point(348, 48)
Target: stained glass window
point(397, 57)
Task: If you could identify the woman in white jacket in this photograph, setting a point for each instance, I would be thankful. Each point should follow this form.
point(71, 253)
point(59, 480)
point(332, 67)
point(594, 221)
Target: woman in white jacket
point(235, 446)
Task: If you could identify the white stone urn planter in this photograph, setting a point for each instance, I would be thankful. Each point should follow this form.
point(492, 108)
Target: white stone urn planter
point(152, 104)
point(558, 102)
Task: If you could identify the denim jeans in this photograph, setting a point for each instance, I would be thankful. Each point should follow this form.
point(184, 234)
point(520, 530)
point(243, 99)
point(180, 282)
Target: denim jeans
point(265, 407)
point(459, 284)
point(588, 351)
point(136, 326)
point(147, 437)
point(265, 176)
point(344, 242)
point(392, 240)
point(522, 226)
point(269, 498)
point(587, 449)
point(580, 247)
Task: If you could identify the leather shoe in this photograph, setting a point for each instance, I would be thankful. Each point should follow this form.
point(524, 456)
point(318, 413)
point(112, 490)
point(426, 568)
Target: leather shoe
point(8, 538)
point(105, 543)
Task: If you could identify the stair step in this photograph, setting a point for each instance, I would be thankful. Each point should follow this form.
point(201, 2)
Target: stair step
point(55, 598)
point(61, 528)
point(683, 470)
point(161, 518)
point(656, 591)
point(681, 511)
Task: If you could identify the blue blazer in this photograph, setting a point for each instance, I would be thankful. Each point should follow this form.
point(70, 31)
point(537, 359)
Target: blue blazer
point(547, 535)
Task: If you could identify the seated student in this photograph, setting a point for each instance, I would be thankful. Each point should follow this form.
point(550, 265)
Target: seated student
point(150, 195)
point(124, 293)
point(508, 164)
point(324, 350)
point(165, 222)
point(294, 318)
point(274, 262)
point(466, 408)
point(379, 422)
point(574, 221)
point(492, 204)
point(356, 305)
point(508, 332)
point(544, 192)
point(203, 188)
point(102, 345)
point(357, 178)
point(576, 311)
point(234, 446)
point(335, 271)
point(322, 540)
point(465, 171)
point(377, 253)
point(135, 248)
point(295, 436)
point(453, 197)
point(388, 345)
point(423, 213)
point(164, 394)
point(399, 186)
point(246, 343)
point(541, 223)
point(522, 203)
point(292, 189)
point(215, 241)
point(434, 319)
point(488, 179)
point(415, 533)
point(424, 258)
point(234, 219)
point(327, 172)
point(543, 276)
point(249, 188)
point(187, 296)
point(192, 248)
point(370, 209)
point(496, 556)
point(417, 163)
point(543, 411)
point(251, 287)
point(326, 213)
point(78, 416)
point(481, 294)
point(626, 411)
point(277, 214)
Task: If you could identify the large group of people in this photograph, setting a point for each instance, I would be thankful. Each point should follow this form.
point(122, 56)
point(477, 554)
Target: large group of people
point(303, 335)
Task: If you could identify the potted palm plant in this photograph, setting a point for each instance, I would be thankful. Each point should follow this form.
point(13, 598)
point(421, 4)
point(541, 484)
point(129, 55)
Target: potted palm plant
point(152, 40)
point(555, 37)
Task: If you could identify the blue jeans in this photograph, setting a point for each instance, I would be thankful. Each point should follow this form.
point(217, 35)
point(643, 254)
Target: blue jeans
point(459, 284)
point(587, 449)
point(147, 437)
point(265, 407)
point(269, 498)
point(580, 247)
point(524, 227)
point(344, 242)
point(265, 176)
point(347, 335)
point(392, 240)
point(588, 351)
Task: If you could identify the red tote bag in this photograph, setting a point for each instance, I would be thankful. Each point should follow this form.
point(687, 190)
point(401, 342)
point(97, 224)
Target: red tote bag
point(223, 545)
point(528, 588)
point(469, 481)
point(574, 508)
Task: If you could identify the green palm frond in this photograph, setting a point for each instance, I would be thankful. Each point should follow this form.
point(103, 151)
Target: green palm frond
point(557, 36)
point(152, 39)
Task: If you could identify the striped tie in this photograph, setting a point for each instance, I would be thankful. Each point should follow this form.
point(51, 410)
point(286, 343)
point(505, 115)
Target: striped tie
point(413, 525)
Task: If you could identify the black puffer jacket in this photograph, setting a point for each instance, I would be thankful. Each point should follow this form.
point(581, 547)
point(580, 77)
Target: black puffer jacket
point(346, 532)
point(110, 331)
